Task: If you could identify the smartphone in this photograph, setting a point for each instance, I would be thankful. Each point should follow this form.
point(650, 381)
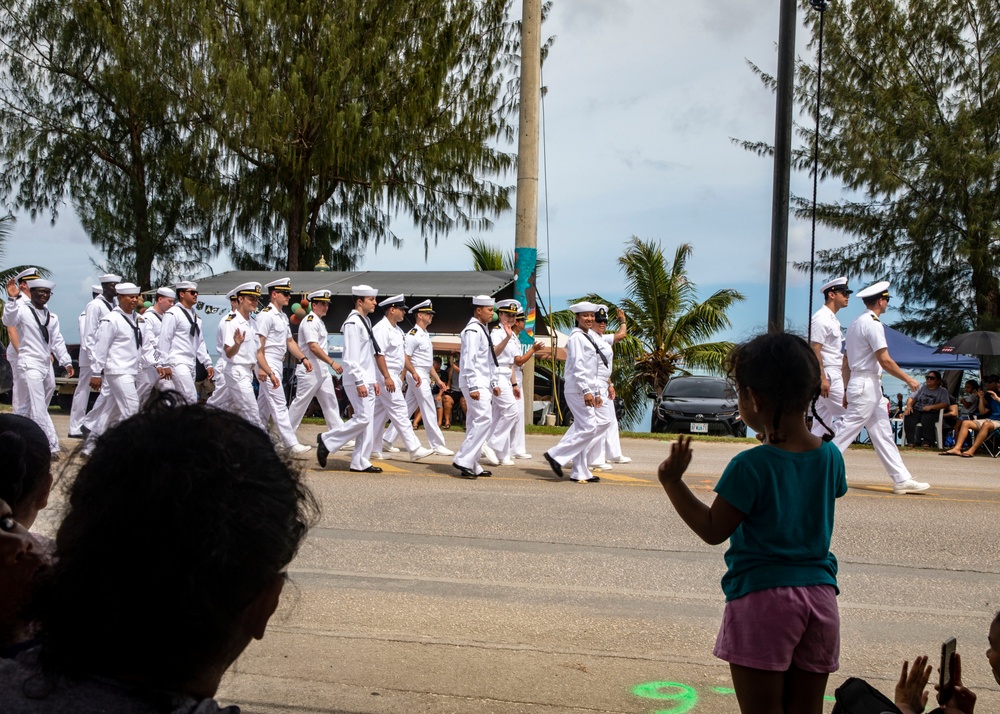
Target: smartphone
point(947, 657)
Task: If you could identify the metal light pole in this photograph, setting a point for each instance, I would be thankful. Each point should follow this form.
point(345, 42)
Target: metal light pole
point(782, 166)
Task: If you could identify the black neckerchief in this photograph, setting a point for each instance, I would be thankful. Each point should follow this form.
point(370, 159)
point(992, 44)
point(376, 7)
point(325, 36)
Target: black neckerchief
point(43, 328)
point(194, 322)
point(158, 315)
point(107, 302)
point(371, 335)
point(596, 348)
point(489, 339)
point(135, 330)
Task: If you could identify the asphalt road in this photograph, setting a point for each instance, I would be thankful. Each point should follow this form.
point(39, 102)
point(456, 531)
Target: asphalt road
point(421, 592)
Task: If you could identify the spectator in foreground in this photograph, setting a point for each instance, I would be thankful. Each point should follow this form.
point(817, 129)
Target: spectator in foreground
point(170, 559)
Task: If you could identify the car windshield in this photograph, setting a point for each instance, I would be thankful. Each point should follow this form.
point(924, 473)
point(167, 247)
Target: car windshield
point(705, 388)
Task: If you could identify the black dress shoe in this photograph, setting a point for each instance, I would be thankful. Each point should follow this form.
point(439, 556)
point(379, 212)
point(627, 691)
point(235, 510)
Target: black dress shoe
point(75, 436)
point(556, 468)
point(465, 473)
point(484, 472)
point(85, 431)
point(592, 479)
point(369, 470)
point(321, 451)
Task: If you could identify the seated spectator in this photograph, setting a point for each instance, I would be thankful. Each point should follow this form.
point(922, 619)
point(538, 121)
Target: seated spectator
point(924, 407)
point(453, 394)
point(989, 403)
point(170, 559)
point(968, 403)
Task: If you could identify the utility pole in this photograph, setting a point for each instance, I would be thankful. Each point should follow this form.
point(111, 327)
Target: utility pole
point(526, 207)
point(782, 167)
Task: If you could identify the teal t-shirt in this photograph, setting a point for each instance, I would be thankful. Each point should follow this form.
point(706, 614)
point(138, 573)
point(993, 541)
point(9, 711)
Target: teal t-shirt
point(788, 500)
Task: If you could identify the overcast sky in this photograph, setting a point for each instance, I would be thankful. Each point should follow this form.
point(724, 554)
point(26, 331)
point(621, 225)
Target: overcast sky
point(642, 100)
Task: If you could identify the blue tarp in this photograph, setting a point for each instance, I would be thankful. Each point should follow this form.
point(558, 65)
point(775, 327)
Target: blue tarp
point(909, 353)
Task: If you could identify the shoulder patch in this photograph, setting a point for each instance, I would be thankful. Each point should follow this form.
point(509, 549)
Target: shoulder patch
point(139, 320)
point(230, 317)
point(310, 318)
point(875, 317)
point(413, 331)
point(267, 309)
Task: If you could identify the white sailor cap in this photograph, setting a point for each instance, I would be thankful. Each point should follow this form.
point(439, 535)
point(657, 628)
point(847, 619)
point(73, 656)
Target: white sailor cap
point(166, 292)
point(511, 306)
point(127, 289)
point(28, 274)
point(320, 296)
point(839, 283)
point(231, 294)
point(109, 278)
point(425, 306)
point(282, 284)
point(363, 291)
point(96, 289)
point(185, 285)
point(395, 301)
point(250, 289)
point(583, 307)
point(41, 284)
point(483, 301)
point(881, 289)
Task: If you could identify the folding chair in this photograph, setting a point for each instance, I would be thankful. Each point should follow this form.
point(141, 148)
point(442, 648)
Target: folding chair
point(992, 444)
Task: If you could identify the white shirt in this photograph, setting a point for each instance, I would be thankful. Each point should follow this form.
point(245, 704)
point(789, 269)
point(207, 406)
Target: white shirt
point(95, 311)
point(417, 345)
point(581, 363)
point(246, 356)
point(605, 344)
point(115, 349)
point(150, 322)
point(511, 350)
point(865, 337)
point(390, 338)
point(312, 329)
point(359, 354)
point(479, 371)
point(35, 349)
point(9, 317)
point(272, 324)
point(825, 328)
point(177, 345)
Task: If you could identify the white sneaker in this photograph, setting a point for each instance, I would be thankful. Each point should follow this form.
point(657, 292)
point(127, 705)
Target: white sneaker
point(421, 453)
point(507, 462)
point(909, 486)
point(349, 446)
point(299, 450)
point(443, 451)
point(600, 467)
point(386, 446)
point(377, 455)
point(621, 460)
point(522, 456)
point(490, 456)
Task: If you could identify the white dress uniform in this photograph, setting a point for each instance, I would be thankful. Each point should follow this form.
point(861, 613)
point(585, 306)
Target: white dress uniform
point(40, 337)
point(150, 322)
point(181, 345)
point(517, 444)
point(609, 446)
point(241, 367)
point(18, 396)
point(359, 369)
point(392, 405)
point(420, 350)
point(505, 406)
point(117, 354)
point(272, 325)
point(866, 406)
point(582, 359)
point(478, 374)
point(95, 311)
point(826, 331)
point(319, 382)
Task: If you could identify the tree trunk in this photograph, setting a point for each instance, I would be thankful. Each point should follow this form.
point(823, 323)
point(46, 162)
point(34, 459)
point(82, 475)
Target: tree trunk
point(985, 285)
point(144, 248)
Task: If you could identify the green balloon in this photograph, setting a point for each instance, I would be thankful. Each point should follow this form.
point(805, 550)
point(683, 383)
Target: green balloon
point(296, 307)
point(147, 304)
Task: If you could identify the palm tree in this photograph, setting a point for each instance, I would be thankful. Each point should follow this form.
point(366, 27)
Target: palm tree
point(486, 257)
point(667, 325)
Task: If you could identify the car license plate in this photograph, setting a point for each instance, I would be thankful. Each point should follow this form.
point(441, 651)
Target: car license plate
point(699, 428)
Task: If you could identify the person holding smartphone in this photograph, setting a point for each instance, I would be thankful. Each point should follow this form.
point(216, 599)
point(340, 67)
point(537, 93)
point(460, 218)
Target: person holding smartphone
point(989, 404)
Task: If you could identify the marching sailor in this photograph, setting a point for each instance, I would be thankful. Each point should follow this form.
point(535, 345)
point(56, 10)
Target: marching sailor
point(826, 343)
point(275, 341)
point(40, 340)
point(479, 386)
point(241, 346)
point(152, 322)
point(507, 402)
point(526, 353)
point(17, 293)
point(391, 403)
point(362, 359)
point(92, 315)
point(866, 358)
point(317, 383)
point(608, 450)
point(182, 343)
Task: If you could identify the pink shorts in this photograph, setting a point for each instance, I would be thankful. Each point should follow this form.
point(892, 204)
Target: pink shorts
point(775, 628)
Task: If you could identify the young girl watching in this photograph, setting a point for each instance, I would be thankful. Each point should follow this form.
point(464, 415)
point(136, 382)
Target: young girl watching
point(26, 480)
point(780, 630)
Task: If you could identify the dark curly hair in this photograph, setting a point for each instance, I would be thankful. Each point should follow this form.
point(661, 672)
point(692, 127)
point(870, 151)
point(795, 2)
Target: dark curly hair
point(27, 460)
point(181, 517)
point(783, 370)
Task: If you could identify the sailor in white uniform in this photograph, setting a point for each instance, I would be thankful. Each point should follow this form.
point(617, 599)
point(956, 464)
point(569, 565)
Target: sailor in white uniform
point(479, 386)
point(151, 374)
point(826, 339)
point(419, 349)
point(117, 354)
point(92, 314)
point(583, 395)
point(241, 347)
point(866, 358)
point(40, 340)
point(507, 402)
point(608, 450)
point(391, 404)
point(17, 294)
point(318, 383)
point(275, 341)
point(182, 343)
point(218, 396)
point(362, 360)
point(525, 356)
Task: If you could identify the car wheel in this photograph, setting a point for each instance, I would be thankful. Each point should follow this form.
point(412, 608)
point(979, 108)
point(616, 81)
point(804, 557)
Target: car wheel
point(740, 430)
point(657, 426)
